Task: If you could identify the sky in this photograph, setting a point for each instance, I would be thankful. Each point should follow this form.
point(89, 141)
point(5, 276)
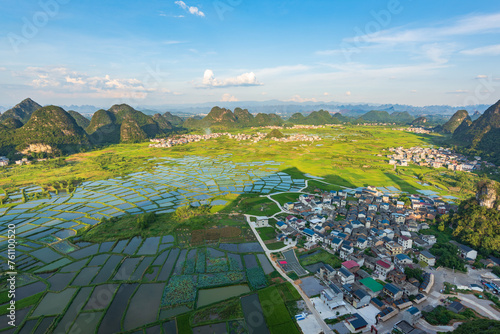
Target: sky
point(101, 53)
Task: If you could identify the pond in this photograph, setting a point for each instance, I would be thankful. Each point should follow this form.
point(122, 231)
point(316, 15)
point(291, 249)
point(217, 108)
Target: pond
point(126, 269)
point(144, 306)
point(266, 265)
point(54, 303)
point(149, 246)
point(60, 281)
point(210, 296)
point(132, 246)
point(112, 319)
point(250, 261)
point(85, 276)
point(101, 297)
point(169, 265)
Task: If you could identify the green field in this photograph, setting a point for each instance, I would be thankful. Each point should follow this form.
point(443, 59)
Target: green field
point(278, 317)
point(267, 233)
point(322, 256)
point(286, 197)
point(350, 156)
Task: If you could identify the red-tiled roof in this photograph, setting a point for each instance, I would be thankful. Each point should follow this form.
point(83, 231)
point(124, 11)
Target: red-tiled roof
point(350, 264)
point(383, 264)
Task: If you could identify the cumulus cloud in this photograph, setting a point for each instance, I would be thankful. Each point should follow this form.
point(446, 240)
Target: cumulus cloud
point(348, 93)
point(64, 81)
point(481, 76)
point(246, 79)
point(191, 9)
point(228, 98)
point(297, 98)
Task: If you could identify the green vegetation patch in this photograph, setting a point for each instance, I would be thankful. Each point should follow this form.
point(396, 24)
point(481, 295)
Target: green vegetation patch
point(224, 311)
point(277, 316)
point(267, 233)
point(441, 316)
point(256, 278)
point(321, 256)
point(147, 225)
point(179, 290)
point(220, 279)
point(483, 326)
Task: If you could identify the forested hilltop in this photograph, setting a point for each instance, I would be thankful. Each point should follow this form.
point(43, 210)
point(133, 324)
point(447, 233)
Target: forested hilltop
point(30, 129)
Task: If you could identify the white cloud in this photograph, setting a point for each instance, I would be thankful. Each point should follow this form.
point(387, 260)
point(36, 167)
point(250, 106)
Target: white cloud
point(191, 9)
point(64, 81)
point(413, 91)
point(297, 98)
point(348, 93)
point(470, 25)
point(490, 50)
point(245, 79)
point(481, 76)
point(228, 98)
point(326, 93)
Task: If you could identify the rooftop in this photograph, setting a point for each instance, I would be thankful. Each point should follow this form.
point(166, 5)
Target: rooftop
point(350, 264)
point(371, 284)
point(427, 254)
point(357, 321)
point(383, 264)
point(392, 288)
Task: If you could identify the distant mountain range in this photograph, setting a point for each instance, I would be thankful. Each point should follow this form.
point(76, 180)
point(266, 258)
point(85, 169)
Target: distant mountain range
point(287, 108)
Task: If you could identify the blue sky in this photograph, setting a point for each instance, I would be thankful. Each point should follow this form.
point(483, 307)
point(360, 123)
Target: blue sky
point(162, 52)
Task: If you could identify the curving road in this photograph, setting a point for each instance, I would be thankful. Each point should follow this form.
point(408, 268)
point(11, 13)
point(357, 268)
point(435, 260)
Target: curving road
point(309, 304)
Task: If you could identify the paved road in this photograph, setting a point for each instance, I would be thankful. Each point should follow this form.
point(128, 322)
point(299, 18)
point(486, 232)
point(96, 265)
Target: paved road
point(434, 329)
point(315, 313)
point(485, 309)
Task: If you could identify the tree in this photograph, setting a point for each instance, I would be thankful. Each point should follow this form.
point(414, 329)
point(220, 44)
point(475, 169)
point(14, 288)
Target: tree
point(414, 273)
point(145, 220)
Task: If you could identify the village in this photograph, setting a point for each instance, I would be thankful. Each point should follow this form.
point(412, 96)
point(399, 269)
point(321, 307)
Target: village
point(185, 139)
point(377, 237)
point(435, 158)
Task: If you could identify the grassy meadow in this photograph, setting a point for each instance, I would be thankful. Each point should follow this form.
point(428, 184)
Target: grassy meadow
point(351, 156)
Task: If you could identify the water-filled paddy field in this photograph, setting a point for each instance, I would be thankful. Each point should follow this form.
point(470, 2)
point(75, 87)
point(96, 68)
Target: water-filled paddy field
point(128, 284)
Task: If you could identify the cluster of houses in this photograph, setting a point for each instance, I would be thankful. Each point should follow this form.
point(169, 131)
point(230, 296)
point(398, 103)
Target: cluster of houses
point(377, 236)
point(296, 126)
point(185, 139)
point(4, 161)
point(416, 130)
point(434, 157)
